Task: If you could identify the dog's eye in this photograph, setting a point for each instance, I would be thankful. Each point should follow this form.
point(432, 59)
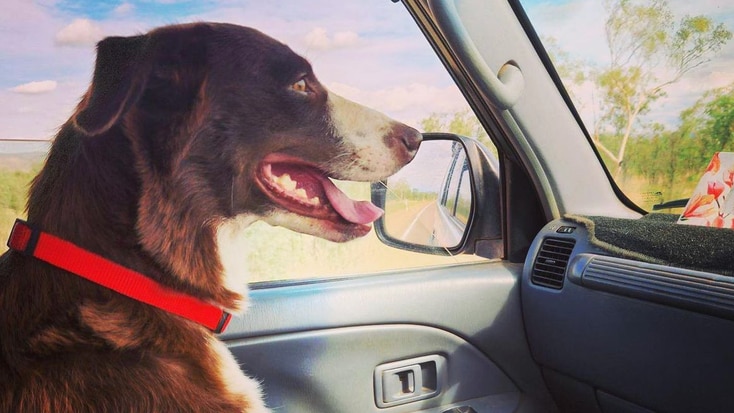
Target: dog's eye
point(301, 87)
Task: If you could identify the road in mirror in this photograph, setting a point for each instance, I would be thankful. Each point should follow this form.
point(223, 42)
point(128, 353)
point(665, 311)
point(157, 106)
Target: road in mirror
point(429, 201)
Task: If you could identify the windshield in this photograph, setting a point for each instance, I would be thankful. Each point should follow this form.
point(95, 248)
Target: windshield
point(653, 82)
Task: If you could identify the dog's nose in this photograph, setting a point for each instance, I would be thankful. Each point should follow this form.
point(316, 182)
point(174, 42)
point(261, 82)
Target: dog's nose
point(411, 139)
point(404, 141)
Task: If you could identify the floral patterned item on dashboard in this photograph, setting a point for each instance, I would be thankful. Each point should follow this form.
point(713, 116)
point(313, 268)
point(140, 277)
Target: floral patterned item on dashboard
point(712, 202)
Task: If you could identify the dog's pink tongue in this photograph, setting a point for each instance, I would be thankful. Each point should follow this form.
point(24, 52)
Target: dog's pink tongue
point(356, 212)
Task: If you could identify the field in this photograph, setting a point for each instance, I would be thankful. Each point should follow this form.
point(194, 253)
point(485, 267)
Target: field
point(276, 253)
point(16, 172)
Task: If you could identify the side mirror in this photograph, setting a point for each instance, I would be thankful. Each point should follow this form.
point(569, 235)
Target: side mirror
point(445, 202)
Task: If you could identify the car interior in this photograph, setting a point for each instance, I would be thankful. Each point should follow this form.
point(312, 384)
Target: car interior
point(584, 302)
point(588, 304)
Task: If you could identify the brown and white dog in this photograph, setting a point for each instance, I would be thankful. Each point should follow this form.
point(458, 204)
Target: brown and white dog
point(186, 136)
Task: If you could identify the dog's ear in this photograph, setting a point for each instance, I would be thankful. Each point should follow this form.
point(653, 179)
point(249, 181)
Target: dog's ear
point(119, 78)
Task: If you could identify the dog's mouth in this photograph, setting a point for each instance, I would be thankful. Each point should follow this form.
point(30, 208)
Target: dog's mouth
point(305, 189)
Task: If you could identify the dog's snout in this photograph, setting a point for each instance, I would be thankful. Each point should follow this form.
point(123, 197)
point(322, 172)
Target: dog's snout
point(406, 139)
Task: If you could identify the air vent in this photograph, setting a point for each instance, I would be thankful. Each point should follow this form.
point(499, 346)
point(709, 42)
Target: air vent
point(551, 262)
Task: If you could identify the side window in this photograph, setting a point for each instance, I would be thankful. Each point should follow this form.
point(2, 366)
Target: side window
point(652, 81)
point(369, 52)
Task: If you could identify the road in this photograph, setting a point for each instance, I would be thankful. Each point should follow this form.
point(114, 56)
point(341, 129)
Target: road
point(412, 222)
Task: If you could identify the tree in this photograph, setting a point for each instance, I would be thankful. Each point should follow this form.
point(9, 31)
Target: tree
point(674, 160)
point(648, 52)
point(461, 123)
point(721, 126)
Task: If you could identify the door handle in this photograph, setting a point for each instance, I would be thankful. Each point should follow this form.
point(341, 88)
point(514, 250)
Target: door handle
point(401, 383)
point(409, 380)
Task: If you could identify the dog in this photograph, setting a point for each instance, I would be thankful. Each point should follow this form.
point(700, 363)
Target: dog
point(130, 260)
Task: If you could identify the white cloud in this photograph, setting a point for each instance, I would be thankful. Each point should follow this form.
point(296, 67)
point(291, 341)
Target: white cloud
point(344, 39)
point(34, 88)
point(38, 116)
point(81, 32)
point(124, 8)
point(407, 103)
point(320, 39)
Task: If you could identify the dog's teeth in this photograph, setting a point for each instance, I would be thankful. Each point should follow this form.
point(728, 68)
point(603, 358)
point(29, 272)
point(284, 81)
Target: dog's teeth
point(301, 193)
point(288, 186)
point(286, 182)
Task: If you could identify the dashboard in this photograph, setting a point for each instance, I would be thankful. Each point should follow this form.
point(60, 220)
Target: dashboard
point(626, 334)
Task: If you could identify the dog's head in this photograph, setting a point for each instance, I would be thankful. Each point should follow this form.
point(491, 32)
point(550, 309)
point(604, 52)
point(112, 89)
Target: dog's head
point(226, 126)
point(247, 122)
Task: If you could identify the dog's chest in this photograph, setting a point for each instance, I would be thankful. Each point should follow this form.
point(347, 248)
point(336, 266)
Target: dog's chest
point(236, 382)
point(232, 246)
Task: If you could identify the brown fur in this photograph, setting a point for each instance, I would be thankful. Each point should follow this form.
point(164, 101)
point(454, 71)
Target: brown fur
point(144, 172)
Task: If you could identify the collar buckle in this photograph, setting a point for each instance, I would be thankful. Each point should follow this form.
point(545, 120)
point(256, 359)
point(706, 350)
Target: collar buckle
point(223, 322)
point(23, 238)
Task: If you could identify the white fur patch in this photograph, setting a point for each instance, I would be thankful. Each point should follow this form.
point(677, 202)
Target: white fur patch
point(236, 381)
point(363, 132)
point(232, 247)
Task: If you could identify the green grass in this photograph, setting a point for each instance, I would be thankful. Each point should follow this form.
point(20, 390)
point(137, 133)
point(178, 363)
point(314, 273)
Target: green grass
point(13, 193)
point(276, 253)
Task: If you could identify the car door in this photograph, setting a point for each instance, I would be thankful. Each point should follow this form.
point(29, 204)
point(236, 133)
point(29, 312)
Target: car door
point(446, 338)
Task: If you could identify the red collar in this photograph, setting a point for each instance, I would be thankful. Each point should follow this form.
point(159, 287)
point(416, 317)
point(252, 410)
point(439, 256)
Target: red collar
point(67, 256)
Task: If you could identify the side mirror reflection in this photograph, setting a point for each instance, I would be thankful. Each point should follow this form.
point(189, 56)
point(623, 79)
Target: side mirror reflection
point(429, 202)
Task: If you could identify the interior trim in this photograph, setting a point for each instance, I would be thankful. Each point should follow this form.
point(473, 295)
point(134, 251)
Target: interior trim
point(692, 290)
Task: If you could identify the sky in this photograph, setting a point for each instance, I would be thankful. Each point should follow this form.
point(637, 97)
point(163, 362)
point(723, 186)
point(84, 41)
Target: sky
point(367, 50)
point(578, 28)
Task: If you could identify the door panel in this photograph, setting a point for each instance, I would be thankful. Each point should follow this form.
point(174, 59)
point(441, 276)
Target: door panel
point(332, 370)
point(316, 345)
